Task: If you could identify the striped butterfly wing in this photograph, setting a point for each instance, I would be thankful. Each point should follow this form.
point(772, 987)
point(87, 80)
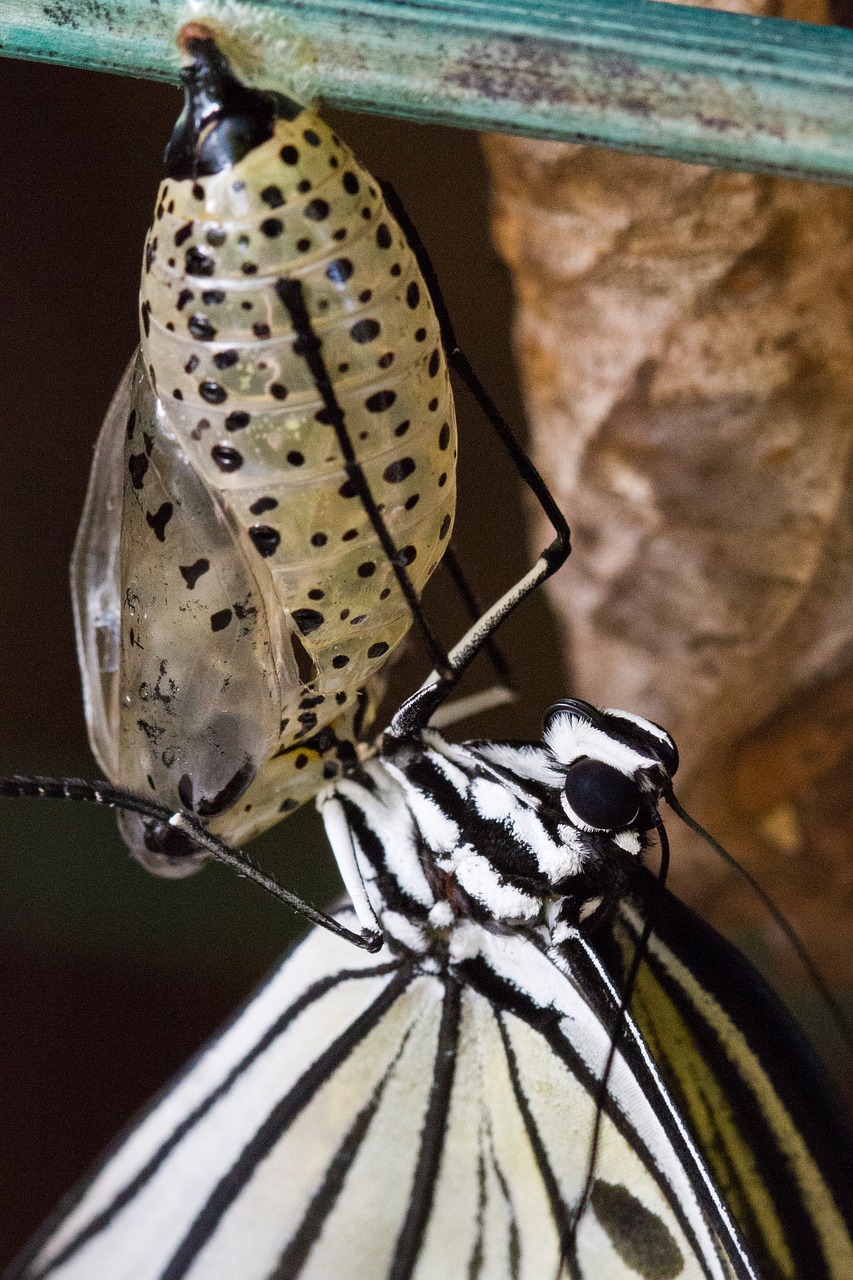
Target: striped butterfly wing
point(757, 1102)
point(381, 1118)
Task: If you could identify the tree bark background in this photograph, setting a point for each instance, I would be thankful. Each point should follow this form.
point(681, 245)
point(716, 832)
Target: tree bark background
point(686, 348)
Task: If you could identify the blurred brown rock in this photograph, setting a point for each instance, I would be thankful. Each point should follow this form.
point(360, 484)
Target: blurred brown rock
point(686, 348)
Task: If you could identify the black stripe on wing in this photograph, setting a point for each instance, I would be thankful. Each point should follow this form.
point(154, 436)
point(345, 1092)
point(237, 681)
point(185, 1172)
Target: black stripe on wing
point(475, 1262)
point(559, 1209)
point(486, 1162)
point(546, 1021)
point(762, 1028)
point(514, 1243)
point(432, 1137)
point(297, 1252)
point(277, 1122)
point(784, 1052)
point(688, 1154)
point(122, 1198)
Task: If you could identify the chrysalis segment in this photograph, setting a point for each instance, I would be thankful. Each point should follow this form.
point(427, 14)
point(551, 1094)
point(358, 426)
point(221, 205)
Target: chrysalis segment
point(233, 597)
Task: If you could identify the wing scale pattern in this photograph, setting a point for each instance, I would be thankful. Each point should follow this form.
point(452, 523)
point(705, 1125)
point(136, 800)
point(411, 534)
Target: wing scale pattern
point(429, 1111)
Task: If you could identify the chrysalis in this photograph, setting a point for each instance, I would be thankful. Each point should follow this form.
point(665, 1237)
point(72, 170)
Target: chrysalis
point(233, 588)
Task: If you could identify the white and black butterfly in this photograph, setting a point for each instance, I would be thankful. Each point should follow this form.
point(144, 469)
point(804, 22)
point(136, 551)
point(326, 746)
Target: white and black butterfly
point(474, 1100)
point(429, 1110)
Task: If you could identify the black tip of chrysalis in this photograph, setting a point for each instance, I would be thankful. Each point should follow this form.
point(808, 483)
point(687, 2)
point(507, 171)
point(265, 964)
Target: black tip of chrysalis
point(223, 119)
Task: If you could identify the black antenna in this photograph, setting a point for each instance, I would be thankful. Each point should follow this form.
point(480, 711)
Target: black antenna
point(818, 981)
point(617, 1029)
point(104, 793)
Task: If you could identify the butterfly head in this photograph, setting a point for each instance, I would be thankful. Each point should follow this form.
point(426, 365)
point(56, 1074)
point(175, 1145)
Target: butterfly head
point(616, 765)
point(520, 834)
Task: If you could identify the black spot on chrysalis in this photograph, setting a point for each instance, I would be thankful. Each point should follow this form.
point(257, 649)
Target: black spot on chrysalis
point(159, 519)
point(192, 572)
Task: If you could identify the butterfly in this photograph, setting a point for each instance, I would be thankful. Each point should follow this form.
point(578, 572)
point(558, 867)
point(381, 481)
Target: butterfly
point(428, 1109)
point(550, 1067)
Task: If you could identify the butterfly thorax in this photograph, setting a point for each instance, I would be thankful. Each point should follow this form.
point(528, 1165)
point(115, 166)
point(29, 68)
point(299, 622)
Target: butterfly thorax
point(451, 834)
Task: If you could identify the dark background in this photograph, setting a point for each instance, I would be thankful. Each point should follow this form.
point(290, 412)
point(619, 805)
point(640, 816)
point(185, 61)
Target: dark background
point(110, 978)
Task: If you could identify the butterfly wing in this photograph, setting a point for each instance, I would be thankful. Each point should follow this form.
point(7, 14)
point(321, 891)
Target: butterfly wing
point(366, 1116)
point(748, 1085)
point(653, 1211)
point(134, 1215)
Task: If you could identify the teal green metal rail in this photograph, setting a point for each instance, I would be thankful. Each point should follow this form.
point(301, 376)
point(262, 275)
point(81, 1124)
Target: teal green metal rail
point(746, 93)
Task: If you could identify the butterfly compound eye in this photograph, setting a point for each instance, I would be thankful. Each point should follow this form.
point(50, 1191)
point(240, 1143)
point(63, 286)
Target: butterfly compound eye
point(601, 796)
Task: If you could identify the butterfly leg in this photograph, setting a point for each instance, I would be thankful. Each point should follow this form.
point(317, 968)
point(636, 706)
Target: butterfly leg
point(340, 838)
point(417, 710)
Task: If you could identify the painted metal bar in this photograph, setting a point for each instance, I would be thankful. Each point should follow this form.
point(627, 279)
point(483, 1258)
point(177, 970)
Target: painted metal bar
point(699, 85)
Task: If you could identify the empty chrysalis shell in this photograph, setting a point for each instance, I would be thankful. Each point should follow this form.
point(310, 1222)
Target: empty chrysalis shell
point(232, 596)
